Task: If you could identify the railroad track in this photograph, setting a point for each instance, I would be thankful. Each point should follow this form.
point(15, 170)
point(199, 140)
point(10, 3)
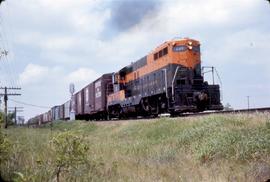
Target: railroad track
point(261, 109)
point(251, 110)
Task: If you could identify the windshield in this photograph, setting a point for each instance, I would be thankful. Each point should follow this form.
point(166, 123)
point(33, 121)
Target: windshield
point(180, 48)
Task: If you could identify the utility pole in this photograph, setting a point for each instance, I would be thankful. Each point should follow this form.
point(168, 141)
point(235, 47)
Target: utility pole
point(15, 110)
point(213, 75)
point(6, 94)
point(5, 100)
point(15, 116)
point(248, 102)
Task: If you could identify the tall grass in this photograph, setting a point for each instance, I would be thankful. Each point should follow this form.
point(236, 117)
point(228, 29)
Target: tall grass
point(208, 148)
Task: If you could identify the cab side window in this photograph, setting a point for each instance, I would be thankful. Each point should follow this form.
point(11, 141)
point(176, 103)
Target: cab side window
point(161, 53)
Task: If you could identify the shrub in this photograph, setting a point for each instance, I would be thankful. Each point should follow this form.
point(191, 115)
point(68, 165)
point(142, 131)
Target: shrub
point(267, 124)
point(70, 152)
point(5, 149)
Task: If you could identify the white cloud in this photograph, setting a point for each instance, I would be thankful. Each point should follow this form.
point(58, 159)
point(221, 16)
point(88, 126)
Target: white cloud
point(65, 27)
point(46, 42)
point(33, 74)
point(63, 5)
point(69, 34)
point(89, 24)
point(82, 76)
point(58, 43)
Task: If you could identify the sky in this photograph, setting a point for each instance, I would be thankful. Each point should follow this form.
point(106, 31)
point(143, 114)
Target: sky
point(52, 43)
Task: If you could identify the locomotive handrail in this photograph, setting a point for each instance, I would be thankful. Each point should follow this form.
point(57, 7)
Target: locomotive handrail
point(173, 81)
point(166, 82)
point(221, 86)
point(214, 71)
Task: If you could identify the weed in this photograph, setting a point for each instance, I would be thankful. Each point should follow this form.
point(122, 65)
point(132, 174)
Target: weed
point(70, 151)
point(208, 148)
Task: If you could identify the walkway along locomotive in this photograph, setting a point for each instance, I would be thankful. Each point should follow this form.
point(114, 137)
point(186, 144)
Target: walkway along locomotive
point(168, 80)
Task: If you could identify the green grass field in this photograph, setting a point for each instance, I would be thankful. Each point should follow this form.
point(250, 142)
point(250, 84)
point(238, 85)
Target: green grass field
point(205, 148)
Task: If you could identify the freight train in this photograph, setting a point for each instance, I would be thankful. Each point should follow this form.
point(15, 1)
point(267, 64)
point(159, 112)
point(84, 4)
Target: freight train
point(167, 80)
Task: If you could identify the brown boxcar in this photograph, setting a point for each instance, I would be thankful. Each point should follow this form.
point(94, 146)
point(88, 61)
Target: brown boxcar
point(66, 110)
point(40, 119)
point(49, 115)
point(89, 101)
point(45, 117)
point(62, 110)
point(79, 97)
point(102, 87)
point(55, 113)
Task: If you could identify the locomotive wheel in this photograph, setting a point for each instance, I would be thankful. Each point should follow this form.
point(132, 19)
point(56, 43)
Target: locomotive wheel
point(156, 109)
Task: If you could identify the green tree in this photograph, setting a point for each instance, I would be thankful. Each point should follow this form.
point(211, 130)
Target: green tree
point(70, 151)
point(10, 118)
point(1, 118)
point(5, 150)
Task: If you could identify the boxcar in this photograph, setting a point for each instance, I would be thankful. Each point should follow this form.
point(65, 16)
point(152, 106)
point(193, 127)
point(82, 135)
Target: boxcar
point(55, 113)
point(45, 117)
point(40, 119)
point(79, 97)
point(49, 115)
point(102, 88)
point(89, 101)
point(61, 111)
point(66, 110)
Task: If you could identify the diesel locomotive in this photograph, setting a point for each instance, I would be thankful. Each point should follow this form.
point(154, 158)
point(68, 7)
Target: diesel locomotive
point(167, 80)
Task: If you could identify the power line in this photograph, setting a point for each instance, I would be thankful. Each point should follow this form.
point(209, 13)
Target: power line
point(8, 64)
point(27, 104)
point(10, 43)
